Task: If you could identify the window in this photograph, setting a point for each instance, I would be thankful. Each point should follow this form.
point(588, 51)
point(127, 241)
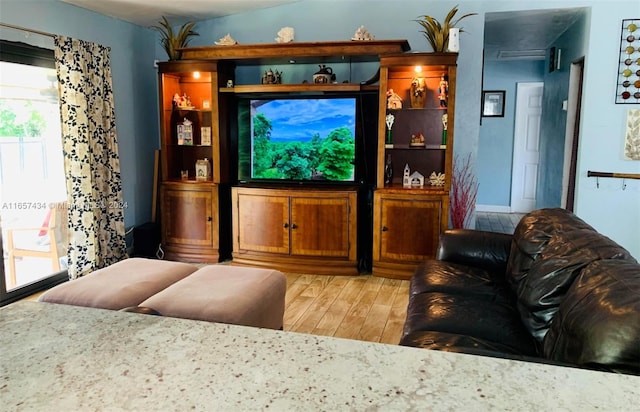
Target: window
point(32, 182)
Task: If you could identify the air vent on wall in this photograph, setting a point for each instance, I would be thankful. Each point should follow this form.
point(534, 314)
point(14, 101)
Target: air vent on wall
point(534, 54)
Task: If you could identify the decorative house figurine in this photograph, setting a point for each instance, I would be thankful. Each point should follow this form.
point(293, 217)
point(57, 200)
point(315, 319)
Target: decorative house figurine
point(436, 179)
point(417, 140)
point(185, 133)
point(203, 171)
point(406, 176)
point(417, 180)
point(418, 92)
point(362, 34)
point(394, 101)
point(285, 35)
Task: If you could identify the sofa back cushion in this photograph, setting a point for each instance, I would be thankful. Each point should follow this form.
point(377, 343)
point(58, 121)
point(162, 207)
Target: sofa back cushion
point(598, 322)
point(550, 249)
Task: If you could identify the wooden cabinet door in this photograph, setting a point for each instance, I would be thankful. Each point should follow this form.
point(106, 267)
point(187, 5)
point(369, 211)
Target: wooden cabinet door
point(189, 215)
point(321, 226)
point(409, 228)
point(262, 223)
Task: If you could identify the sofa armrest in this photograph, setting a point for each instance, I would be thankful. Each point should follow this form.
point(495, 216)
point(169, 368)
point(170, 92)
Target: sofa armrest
point(477, 248)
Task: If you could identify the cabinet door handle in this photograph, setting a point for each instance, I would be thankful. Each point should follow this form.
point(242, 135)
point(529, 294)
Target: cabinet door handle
point(384, 228)
point(209, 218)
point(286, 225)
point(294, 226)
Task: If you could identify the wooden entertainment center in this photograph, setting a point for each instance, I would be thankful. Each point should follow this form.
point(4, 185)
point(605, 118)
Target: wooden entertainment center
point(208, 214)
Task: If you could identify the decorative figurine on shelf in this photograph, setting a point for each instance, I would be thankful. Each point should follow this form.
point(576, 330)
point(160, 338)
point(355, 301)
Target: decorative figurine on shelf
point(443, 90)
point(226, 41)
point(203, 170)
point(417, 139)
point(324, 75)
point(389, 120)
point(436, 179)
point(271, 77)
point(185, 133)
point(182, 102)
point(417, 180)
point(285, 35)
point(388, 171)
point(418, 92)
point(406, 176)
point(362, 34)
point(394, 101)
point(445, 118)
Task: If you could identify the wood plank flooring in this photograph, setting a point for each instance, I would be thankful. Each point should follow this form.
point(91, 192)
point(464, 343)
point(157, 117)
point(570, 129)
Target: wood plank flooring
point(361, 307)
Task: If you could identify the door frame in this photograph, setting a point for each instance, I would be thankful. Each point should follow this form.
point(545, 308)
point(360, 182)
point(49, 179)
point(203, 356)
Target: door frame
point(572, 134)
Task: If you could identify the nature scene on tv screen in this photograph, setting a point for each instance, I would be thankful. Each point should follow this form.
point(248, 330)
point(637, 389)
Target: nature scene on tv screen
point(303, 139)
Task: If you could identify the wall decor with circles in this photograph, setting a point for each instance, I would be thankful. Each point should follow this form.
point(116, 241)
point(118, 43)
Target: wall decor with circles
point(628, 88)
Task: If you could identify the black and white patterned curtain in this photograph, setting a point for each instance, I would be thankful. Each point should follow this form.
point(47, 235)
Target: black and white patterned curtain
point(91, 161)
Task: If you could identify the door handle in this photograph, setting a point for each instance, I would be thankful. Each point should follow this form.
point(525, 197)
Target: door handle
point(209, 218)
point(286, 225)
point(384, 228)
point(294, 226)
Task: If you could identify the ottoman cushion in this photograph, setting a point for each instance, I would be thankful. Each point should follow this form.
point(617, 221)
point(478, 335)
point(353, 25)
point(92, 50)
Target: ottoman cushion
point(227, 294)
point(123, 284)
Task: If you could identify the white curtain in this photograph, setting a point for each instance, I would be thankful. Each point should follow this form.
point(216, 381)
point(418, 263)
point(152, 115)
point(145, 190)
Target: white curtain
point(92, 166)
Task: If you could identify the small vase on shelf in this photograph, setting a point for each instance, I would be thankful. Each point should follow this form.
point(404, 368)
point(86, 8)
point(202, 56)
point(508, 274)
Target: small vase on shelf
point(388, 171)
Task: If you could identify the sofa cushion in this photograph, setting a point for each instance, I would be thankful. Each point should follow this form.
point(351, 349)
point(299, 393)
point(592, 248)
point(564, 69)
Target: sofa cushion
point(453, 342)
point(531, 236)
point(598, 323)
point(553, 272)
point(121, 285)
point(447, 277)
point(495, 320)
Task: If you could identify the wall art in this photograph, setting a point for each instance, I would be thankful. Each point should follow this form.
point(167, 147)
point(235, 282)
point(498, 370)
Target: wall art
point(632, 137)
point(628, 84)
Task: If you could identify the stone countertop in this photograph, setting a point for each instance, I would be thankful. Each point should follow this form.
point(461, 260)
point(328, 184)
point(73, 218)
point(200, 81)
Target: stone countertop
point(58, 357)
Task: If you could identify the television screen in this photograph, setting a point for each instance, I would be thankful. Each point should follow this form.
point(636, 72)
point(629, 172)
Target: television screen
point(300, 139)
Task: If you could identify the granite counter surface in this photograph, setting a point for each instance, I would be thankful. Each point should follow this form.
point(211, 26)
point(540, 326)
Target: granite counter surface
point(58, 357)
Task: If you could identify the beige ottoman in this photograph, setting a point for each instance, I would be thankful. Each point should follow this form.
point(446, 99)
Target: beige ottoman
point(226, 294)
point(121, 285)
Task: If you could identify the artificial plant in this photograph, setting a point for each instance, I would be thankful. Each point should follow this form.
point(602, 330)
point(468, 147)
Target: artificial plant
point(464, 190)
point(172, 41)
point(438, 34)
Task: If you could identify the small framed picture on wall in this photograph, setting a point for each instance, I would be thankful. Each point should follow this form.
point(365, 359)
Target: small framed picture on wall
point(493, 103)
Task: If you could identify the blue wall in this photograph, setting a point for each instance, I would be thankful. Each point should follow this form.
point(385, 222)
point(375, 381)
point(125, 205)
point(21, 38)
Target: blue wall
point(495, 149)
point(554, 119)
point(134, 49)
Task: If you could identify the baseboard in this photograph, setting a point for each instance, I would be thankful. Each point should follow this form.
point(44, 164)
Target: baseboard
point(493, 208)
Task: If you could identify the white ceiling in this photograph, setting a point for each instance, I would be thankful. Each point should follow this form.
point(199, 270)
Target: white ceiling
point(149, 12)
point(508, 35)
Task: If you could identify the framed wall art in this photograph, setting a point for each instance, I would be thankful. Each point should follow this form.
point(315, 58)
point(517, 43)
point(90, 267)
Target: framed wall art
point(628, 83)
point(493, 103)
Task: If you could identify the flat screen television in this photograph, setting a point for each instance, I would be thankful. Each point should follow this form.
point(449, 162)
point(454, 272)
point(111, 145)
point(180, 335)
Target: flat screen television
point(297, 139)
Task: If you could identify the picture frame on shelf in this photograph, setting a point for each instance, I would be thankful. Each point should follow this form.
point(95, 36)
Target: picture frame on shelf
point(205, 136)
point(493, 103)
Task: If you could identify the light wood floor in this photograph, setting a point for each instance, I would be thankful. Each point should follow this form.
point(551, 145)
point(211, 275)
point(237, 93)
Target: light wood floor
point(355, 307)
point(361, 307)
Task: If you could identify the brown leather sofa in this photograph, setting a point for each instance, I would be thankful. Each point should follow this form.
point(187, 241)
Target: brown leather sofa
point(556, 291)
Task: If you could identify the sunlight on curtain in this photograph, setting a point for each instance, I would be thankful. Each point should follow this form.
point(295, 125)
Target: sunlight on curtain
point(92, 167)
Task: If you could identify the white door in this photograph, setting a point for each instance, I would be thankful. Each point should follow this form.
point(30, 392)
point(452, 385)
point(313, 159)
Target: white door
point(526, 147)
